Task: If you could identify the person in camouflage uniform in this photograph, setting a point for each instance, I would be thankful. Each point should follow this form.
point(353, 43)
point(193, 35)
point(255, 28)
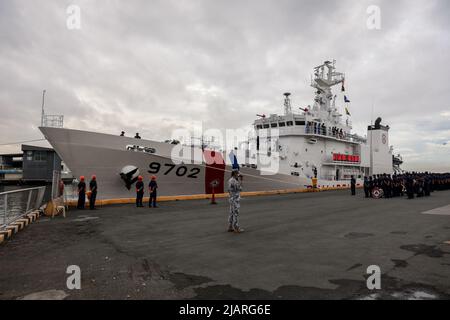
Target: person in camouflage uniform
point(234, 190)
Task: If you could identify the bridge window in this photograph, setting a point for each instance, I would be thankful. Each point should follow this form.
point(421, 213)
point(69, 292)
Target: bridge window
point(273, 125)
point(282, 124)
point(40, 156)
point(290, 123)
point(299, 123)
point(266, 126)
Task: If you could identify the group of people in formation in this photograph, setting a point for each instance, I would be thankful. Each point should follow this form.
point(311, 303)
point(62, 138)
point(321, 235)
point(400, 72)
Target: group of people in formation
point(93, 189)
point(412, 184)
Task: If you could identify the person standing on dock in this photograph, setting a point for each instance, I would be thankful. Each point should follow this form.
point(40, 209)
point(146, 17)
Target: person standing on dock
point(366, 187)
point(410, 186)
point(353, 185)
point(93, 189)
point(81, 193)
point(139, 192)
point(234, 190)
point(152, 186)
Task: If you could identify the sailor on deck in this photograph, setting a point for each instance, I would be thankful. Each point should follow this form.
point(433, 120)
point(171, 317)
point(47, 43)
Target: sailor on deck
point(234, 190)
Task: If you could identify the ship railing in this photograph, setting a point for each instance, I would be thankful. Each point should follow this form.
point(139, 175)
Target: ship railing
point(329, 132)
point(16, 203)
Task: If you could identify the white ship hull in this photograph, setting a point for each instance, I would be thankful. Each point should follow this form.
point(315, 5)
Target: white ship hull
point(88, 153)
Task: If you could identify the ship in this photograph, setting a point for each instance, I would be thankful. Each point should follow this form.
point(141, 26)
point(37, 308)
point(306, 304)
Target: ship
point(310, 147)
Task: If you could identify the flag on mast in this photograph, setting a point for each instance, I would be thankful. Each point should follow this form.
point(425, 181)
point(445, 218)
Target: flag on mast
point(346, 100)
point(343, 86)
point(347, 112)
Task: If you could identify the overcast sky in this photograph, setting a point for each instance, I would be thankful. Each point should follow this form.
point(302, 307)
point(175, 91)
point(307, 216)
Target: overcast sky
point(152, 66)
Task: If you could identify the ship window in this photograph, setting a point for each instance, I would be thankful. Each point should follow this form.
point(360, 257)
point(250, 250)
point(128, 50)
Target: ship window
point(299, 123)
point(266, 126)
point(274, 125)
point(282, 124)
point(40, 156)
point(290, 123)
point(259, 126)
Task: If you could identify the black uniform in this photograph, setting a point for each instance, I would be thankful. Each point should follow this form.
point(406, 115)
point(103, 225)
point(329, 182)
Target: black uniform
point(366, 187)
point(410, 187)
point(371, 186)
point(81, 195)
point(427, 186)
point(353, 186)
point(153, 186)
point(139, 193)
point(93, 188)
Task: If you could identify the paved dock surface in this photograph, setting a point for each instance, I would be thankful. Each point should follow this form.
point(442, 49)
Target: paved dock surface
point(297, 246)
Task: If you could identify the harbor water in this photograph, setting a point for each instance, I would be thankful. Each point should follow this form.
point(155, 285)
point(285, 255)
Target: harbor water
point(17, 202)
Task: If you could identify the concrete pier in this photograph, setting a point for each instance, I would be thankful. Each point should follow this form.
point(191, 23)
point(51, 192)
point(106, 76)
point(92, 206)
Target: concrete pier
point(296, 246)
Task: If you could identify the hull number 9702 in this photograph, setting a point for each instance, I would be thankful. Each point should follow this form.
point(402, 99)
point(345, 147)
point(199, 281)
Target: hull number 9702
point(180, 171)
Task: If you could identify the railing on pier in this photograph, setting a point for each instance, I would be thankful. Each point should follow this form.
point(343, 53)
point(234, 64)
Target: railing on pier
point(14, 204)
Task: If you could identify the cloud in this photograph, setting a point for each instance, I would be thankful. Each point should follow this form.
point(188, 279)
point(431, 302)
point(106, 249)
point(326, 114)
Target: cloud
point(152, 66)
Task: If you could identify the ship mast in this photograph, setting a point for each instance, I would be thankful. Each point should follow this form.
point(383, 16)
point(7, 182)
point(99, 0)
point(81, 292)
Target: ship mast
point(287, 104)
point(325, 77)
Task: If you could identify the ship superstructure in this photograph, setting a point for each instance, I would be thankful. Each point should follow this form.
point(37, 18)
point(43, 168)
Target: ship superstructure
point(318, 141)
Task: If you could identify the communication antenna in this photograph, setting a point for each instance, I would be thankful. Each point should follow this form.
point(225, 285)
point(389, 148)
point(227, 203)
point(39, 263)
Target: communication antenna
point(50, 120)
point(43, 112)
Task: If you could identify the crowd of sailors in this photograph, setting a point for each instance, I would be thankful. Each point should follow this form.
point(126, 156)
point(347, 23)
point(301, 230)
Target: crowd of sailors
point(411, 184)
point(322, 129)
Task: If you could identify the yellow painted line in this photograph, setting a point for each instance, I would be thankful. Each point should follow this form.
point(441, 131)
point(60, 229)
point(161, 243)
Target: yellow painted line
point(31, 217)
point(2, 238)
point(73, 203)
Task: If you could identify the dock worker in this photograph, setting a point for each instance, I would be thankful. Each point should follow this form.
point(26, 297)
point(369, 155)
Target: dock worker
point(234, 190)
point(139, 192)
point(81, 193)
point(93, 188)
point(353, 185)
point(122, 134)
point(137, 136)
point(152, 186)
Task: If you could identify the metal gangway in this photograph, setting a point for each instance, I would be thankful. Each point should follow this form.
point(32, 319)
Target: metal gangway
point(17, 203)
